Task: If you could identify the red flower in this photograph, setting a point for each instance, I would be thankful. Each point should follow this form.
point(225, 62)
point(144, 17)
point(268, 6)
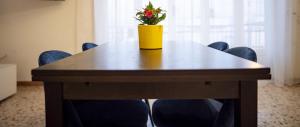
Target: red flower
point(148, 13)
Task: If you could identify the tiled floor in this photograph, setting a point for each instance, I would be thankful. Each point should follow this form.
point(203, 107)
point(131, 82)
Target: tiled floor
point(278, 107)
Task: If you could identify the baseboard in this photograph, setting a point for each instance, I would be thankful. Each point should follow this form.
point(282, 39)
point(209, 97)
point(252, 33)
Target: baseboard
point(297, 81)
point(29, 83)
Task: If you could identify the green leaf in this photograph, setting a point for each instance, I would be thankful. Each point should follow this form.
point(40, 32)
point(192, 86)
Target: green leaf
point(158, 10)
point(163, 17)
point(139, 13)
point(150, 6)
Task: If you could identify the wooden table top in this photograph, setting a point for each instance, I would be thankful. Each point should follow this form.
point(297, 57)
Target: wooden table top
point(175, 57)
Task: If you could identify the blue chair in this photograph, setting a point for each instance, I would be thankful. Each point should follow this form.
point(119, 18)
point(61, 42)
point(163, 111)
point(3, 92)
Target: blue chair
point(219, 45)
point(202, 113)
point(119, 113)
point(51, 56)
point(243, 52)
point(185, 113)
point(87, 46)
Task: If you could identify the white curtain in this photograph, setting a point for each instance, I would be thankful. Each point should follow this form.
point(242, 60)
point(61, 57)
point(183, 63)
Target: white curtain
point(263, 25)
point(278, 50)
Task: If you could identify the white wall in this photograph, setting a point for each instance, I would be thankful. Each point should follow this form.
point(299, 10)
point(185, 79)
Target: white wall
point(29, 27)
point(85, 22)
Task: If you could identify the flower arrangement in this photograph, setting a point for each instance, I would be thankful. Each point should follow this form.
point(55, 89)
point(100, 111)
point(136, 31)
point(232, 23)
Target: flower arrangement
point(150, 15)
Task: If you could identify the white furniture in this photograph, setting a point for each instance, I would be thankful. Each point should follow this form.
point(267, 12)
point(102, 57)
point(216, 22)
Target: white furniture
point(8, 80)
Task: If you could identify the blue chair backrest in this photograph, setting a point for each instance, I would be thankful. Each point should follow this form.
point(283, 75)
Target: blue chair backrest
point(219, 45)
point(52, 56)
point(87, 46)
point(243, 52)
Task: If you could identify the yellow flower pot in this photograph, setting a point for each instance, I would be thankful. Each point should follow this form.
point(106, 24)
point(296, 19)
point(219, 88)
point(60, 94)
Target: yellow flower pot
point(150, 36)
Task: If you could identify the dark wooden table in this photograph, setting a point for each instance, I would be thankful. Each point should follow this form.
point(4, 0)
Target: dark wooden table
point(181, 70)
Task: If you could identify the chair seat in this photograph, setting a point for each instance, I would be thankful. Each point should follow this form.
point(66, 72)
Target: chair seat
point(185, 113)
point(125, 113)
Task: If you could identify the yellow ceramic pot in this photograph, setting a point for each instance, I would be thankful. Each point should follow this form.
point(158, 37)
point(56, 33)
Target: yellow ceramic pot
point(150, 36)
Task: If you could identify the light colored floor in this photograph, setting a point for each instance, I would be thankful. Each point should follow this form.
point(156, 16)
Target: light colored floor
point(278, 107)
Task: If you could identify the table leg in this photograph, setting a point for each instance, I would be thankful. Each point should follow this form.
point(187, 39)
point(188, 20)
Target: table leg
point(54, 104)
point(246, 106)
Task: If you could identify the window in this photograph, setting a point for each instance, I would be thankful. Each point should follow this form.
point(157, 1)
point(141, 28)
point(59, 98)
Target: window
point(239, 22)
